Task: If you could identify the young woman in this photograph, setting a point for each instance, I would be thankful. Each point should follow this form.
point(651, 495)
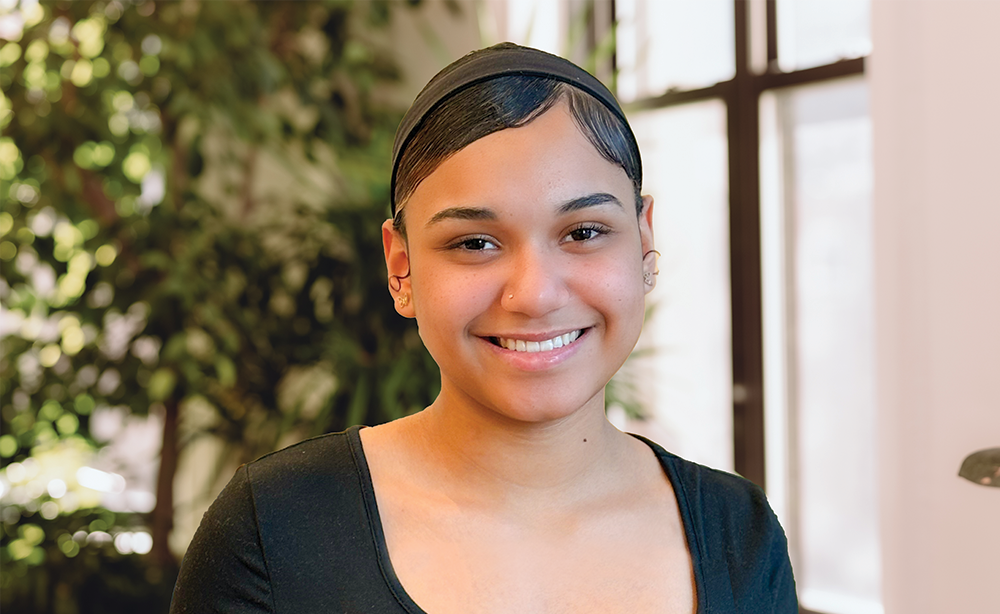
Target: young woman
point(521, 245)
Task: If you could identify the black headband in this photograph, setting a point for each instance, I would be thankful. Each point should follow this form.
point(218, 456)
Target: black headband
point(505, 59)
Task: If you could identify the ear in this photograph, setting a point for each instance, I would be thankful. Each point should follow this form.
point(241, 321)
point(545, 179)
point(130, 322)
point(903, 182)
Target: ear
point(397, 266)
point(646, 239)
point(646, 223)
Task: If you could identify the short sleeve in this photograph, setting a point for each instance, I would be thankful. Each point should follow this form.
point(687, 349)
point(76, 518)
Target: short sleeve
point(779, 570)
point(760, 572)
point(224, 569)
point(737, 545)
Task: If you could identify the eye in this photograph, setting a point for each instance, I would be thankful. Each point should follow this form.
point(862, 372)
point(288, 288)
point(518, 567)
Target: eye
point(586, 232)
point(474, 244)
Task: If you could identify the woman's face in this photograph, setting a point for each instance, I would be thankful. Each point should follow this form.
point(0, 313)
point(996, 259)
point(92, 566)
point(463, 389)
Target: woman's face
point(526, 270)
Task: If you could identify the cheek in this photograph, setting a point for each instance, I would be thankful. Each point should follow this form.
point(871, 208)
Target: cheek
point(615, 286)
point(448, 297)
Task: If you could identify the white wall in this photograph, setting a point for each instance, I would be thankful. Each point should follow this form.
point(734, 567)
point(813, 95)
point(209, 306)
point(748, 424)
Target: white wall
point(936, 117)
point(429, 38)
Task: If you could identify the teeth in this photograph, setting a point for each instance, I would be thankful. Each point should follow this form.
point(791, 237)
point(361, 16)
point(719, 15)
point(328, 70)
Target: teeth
point(519, 345)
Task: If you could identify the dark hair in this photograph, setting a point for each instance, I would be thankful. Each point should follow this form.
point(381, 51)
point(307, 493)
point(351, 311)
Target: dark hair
point(509, 102)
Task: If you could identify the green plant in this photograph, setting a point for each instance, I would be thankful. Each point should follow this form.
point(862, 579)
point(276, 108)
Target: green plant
point(190, 213)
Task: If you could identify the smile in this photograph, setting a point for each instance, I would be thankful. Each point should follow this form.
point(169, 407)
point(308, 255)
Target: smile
point(520, 345)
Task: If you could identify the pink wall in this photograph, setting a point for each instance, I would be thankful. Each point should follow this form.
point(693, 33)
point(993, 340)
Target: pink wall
point(936, 116)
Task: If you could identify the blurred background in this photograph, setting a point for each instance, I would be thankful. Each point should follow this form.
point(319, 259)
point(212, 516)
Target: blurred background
point(190, 201)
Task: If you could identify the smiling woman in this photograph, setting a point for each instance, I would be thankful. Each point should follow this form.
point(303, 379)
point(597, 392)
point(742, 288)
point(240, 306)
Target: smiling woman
point(521, 245)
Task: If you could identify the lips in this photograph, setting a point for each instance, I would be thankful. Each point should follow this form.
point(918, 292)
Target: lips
point(520, 345)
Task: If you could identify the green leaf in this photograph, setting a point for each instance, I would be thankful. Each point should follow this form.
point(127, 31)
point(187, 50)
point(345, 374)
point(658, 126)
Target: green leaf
point(161, 384)
point(225, 370)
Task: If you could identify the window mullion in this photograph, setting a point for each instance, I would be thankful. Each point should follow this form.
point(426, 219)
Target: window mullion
point(745, 271)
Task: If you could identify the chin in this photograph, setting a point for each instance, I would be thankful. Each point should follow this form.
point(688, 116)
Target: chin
point(546, 411)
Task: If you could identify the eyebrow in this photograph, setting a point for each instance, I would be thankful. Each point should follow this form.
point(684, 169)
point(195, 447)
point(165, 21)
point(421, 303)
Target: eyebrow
point(590, 200)
point(462, 213)
point(480, 213)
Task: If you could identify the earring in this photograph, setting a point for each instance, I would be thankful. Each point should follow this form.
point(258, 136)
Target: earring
point(404, 300)
point(647, 277)
point(396, 282)
point(656, 267)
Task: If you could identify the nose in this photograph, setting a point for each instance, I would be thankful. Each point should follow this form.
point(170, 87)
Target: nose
point(536, 284)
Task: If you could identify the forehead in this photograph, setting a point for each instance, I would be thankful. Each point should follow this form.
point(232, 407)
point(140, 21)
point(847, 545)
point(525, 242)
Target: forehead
point(538, 166)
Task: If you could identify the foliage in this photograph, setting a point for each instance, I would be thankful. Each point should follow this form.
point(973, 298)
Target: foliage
point(191, 198)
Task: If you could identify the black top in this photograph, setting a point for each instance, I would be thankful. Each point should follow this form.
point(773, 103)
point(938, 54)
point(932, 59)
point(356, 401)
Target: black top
point(298, 531)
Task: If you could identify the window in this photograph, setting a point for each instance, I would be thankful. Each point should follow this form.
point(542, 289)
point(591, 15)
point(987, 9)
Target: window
point(819, 337)
point(685, 375)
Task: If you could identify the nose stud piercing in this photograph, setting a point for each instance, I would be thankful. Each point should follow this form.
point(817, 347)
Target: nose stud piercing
point(404, 300)
point(510, 297)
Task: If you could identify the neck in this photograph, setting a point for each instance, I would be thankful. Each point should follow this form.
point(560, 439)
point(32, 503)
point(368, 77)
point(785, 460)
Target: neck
point(567, 458)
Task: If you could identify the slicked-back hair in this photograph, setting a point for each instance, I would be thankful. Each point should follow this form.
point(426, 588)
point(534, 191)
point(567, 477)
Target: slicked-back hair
point(508, 102)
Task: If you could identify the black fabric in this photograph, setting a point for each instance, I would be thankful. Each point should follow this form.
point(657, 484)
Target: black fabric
point(500, 60)
point(298, 531)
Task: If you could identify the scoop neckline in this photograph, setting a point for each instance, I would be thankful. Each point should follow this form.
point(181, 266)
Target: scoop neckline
point(382, 548)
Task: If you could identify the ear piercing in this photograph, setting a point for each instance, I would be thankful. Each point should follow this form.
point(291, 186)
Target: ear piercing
point(396, 284)
point(647, 277)
point(658, 254)
point(396, 281)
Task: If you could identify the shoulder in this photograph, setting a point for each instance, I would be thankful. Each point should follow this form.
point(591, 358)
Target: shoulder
point(293, 531)
point(716, 500)
point(727, 497)
point(302, 465)
point(315, 487)
point(734, 537)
